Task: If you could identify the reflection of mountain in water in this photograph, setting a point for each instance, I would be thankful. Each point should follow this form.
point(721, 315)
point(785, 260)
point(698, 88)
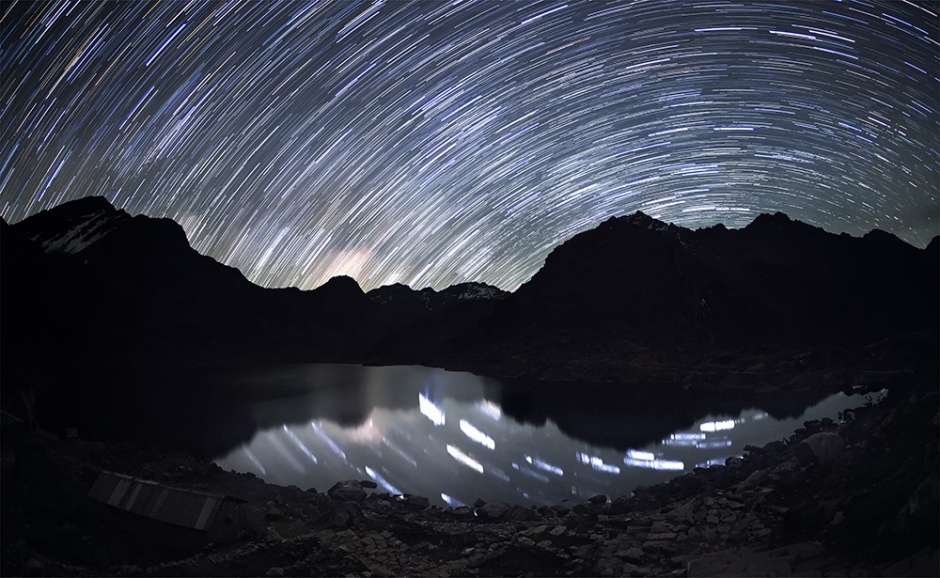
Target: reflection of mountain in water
point(347, 394)
point(210, 411)
point(446, 440)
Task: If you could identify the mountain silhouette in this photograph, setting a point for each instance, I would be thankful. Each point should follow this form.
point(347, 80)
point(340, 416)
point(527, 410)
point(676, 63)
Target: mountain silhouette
point(130, 291)
point(635, 287)
point(85, 286)
point(777, 280)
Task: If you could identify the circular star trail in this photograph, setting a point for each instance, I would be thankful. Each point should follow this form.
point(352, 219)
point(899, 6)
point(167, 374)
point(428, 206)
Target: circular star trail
point(435, 142)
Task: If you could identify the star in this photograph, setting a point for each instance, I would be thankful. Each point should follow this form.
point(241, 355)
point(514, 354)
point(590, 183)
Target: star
point(431, 143)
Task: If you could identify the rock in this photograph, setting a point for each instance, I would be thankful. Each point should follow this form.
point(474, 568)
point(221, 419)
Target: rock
point(519, 514)
point(619, 506)
point(348, 491)
point(558, 530)
point(660, 526)
point(368, 484)
point(754, 480)
point(493, 510)
point(660, 547)
point(380, 570)
point(783, 471)
point(598, 499)
point(774, 447)
point(684, 513)
point(633, 555)
point(739, 562)
point(632, 570)
point(461, 512)
point(276, 571)
point(545, 511)
point(535, 530)
point(417, 503)
point(825, 447)
point(586, 508)
point(482, 558)
point(583, 551)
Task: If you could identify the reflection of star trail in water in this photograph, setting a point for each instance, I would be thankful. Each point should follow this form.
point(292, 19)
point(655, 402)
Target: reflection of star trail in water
point(407, 453)
point(436, 142)
point(299, 444)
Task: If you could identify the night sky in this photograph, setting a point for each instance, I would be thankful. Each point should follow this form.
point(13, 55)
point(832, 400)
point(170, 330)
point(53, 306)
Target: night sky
point(434, 142)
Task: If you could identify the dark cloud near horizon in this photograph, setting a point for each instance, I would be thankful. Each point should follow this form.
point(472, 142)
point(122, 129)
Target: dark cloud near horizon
point(431, 143)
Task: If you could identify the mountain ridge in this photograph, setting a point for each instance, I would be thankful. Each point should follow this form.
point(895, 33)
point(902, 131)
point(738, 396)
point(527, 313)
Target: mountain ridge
point(605, 296)
point(89, 205)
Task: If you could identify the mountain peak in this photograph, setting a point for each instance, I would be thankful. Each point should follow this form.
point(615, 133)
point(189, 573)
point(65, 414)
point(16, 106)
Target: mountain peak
point(340, 285)
point(82, 208)
point(638, 219)
point(73, 226)
point(781, 224)
point(86, 206)
point(776, 220)
point(880, 236)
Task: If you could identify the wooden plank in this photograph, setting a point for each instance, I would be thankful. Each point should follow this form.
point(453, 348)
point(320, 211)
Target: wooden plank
point(146, 498)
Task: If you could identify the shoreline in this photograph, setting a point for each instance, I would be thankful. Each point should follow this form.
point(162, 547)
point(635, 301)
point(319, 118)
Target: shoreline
point(859, 500)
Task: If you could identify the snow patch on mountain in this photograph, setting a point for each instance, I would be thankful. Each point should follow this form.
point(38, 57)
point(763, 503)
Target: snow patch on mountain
point(468, 291)
point(80, 235)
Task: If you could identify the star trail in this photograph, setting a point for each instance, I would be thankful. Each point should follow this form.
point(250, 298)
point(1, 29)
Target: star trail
point(432, 142)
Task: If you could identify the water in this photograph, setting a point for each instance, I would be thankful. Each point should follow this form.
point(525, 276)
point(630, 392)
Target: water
point(443, 435)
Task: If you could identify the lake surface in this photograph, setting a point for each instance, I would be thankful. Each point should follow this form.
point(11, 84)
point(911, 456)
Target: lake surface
point(444, 435)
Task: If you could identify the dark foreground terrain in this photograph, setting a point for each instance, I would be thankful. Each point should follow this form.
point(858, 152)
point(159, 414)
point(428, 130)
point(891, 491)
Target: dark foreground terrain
point(778, 309)
point(857, 497)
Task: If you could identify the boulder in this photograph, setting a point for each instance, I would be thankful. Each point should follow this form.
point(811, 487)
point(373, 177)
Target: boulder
point(347, 491)
point(632, 555)
point(493, 510)
point(620, 505)
point(519, 514)
point(823, 447)
point(417, 502)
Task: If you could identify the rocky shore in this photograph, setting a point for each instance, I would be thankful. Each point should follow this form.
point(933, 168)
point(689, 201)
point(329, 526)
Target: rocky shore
point(857, 497)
